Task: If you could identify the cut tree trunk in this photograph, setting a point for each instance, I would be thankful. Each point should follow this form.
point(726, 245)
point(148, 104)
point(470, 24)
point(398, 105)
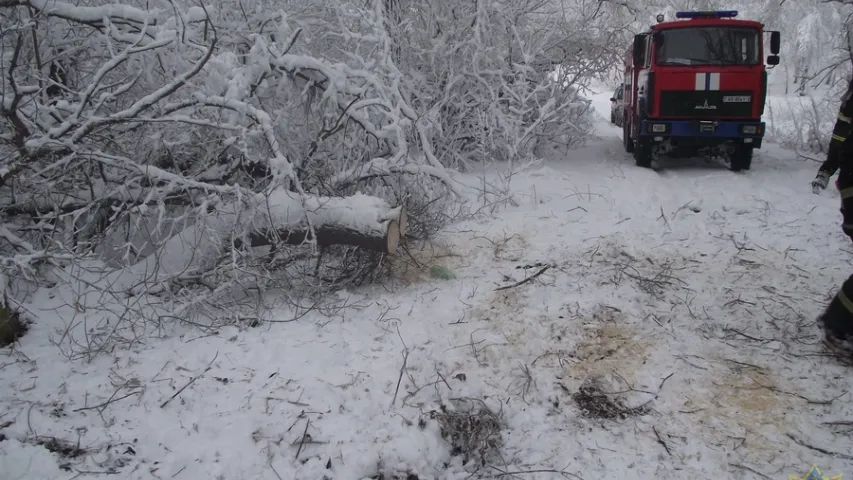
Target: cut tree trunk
point(329, 234)
point(281, 216)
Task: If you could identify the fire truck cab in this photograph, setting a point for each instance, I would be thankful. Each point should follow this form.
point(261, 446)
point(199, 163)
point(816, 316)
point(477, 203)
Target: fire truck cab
point(697, 83)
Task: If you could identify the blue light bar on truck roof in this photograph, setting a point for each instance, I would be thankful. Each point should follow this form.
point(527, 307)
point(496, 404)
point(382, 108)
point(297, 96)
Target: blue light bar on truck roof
point(707, 14)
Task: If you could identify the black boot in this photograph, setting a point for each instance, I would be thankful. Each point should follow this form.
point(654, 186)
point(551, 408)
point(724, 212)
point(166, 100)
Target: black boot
point(837, 321)
point(837, 343)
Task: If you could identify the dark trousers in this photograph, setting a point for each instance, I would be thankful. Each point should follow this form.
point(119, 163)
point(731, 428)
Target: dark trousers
point(838, 317)
point(837, 150)
point(831, 165)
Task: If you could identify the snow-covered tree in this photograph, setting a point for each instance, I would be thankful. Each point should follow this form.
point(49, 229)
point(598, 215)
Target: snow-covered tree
point(170, 149)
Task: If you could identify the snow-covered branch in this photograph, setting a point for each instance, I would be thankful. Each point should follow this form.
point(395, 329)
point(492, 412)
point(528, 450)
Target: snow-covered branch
point(88, 170)
point(190, 148)
point(280, 216)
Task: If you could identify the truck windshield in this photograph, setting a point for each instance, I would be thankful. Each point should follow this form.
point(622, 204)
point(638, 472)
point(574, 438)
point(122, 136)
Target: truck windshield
point(707, 46)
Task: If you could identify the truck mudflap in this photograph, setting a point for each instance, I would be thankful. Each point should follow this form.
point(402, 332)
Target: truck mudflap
point(703, 132)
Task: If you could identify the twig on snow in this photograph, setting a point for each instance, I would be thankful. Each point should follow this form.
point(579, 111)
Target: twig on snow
point(738, 332)
point(526, 280)
point(744, 467)
point(739, 301)
point(192, 380)
point(660, 388)
point(840, 422)
point(654, 285)
point(400, 378)
point(444, 380)
point(302, 440)
point(402, 368)
point(269, 462)
point(663, 217)
point(843, 426)
point(686, 205)
point(660, 441)
point(819, 449)
point(741, 247)
point(525, 382)
point(743, 364)
point(641, 407)
point(426, 385)
point(802, 397)
point(507, 473)
point(101, 406)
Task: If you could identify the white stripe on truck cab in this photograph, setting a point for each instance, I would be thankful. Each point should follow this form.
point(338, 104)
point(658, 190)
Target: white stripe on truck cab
point(715, 81)
point(707, 81)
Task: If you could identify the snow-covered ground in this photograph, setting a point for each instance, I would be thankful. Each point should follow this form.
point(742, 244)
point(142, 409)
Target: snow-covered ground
point(687, 296)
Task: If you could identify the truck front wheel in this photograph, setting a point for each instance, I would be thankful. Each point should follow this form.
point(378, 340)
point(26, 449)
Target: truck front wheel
point(643, 153)
point(741, 158)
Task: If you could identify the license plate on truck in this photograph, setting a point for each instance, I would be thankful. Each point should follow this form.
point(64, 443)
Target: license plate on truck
point(737, 99)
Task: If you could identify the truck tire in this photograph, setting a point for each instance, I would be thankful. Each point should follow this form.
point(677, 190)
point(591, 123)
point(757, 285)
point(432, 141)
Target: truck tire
point(626, 137)
point(643, 153)
point(612, 118)
point(741, 158)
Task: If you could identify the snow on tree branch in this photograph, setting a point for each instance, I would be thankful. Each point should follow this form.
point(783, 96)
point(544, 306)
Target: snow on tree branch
point(71, 127)
point(179, 150)
point(264, 219)
point(87, 15)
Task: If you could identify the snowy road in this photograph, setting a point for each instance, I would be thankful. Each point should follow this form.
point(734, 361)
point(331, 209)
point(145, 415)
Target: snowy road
point(671, 337)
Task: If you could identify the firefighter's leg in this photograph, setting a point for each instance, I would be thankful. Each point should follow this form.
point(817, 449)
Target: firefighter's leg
point(827, 169)
point(842, 130)
point(845, 188)
point(837, 320)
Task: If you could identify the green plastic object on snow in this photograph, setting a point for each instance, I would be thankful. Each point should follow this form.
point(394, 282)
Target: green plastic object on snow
point(443, 273)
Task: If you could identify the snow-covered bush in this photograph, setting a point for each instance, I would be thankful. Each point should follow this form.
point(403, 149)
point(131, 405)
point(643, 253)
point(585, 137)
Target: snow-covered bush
point(185, 148)
point(802, 123)
point(485, 76)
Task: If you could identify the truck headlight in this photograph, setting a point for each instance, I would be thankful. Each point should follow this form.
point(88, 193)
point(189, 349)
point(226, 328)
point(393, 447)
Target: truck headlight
point(657, 127)
point(750, 129)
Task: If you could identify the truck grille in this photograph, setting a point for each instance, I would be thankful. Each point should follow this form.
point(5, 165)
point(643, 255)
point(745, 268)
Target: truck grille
point(706, 103)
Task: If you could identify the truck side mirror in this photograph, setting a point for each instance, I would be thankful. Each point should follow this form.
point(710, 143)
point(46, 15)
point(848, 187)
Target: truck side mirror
point(612, 99)
point(639, 50)
point(773, 60)
point(775, 41)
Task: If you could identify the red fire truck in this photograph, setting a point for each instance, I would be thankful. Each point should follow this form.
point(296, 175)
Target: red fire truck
point(697, 83)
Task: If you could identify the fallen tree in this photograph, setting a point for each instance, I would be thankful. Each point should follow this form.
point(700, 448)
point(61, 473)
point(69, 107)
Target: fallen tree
point(281, 217)
point(382, 235)
point(230, 216)
point(291, 145)
point(158, 177)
